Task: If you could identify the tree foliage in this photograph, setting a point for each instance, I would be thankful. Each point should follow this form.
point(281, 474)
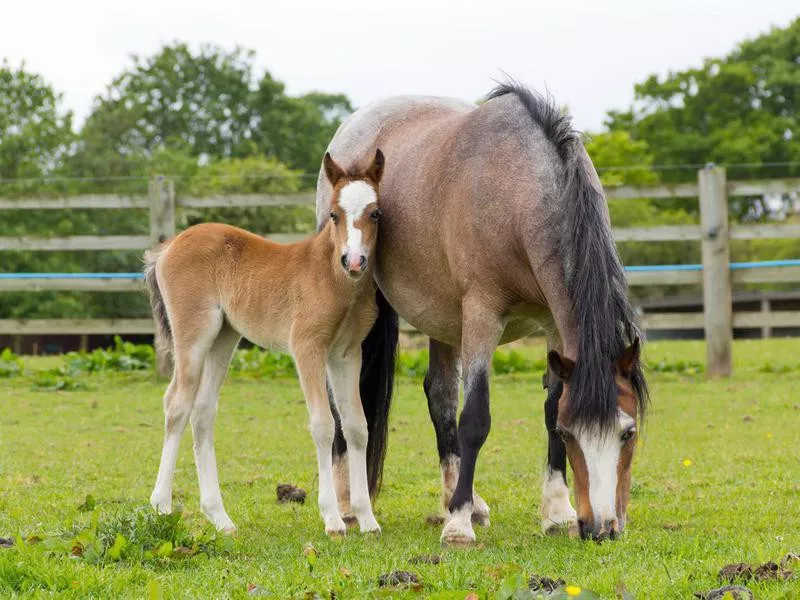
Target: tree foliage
point(35, 132)
point(739, 109)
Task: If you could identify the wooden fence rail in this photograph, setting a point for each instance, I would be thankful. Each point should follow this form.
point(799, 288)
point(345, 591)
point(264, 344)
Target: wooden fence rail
point(716, 275)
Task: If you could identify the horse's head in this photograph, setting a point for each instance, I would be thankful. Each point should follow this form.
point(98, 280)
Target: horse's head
point(601, 456)
point(354, 212)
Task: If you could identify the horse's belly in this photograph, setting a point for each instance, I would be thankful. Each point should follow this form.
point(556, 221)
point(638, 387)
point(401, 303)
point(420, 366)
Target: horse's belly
point(424, 305)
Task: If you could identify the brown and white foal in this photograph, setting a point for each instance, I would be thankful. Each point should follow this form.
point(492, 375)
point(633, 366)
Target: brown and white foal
point(214, 284)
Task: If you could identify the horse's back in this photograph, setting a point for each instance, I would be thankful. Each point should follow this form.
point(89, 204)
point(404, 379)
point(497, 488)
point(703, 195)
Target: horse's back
point(461, 184)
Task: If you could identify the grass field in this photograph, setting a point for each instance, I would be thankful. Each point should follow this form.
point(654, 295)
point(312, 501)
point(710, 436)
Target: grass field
point(716, 481)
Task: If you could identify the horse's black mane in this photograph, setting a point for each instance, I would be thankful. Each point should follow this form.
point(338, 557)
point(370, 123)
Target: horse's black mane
point(594, 276)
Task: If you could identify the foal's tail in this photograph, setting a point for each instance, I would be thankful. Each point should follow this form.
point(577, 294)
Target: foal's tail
point(163, 336)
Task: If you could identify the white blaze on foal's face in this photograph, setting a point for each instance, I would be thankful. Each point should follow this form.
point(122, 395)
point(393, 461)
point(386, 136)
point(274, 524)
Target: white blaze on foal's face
point(354, 212)
point(355, 199)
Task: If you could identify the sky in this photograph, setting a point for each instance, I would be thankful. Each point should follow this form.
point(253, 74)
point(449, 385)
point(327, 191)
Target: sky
point(588, 54)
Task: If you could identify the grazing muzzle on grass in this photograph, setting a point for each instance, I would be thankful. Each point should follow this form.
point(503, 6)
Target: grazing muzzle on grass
point(600, 454)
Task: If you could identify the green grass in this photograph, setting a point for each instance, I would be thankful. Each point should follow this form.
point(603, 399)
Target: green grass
point(739, 500)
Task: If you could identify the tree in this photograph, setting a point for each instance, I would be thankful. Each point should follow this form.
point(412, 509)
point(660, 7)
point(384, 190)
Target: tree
point(35, 133)
point(208, 105)
point(739, 109)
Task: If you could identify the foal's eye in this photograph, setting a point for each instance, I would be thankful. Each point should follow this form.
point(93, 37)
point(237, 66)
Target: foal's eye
point(628, 434)
point(375, 214)
point(334, 217)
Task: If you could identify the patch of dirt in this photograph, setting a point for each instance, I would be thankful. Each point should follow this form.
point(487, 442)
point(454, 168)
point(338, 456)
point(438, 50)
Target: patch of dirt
point(434, 520)
point(6, 542)
point(735, 572)
point(406, 579)
point(425, 559)
point(671, 526)
point(768, 571)
point(545, 584)
point(747, 418)
point(290, 493)
point(790, 559)
point(771, 571)
point(737, 592)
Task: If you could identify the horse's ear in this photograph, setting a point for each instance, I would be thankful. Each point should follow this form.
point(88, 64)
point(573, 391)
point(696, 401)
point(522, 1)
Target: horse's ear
point(375, 170)
point(561, 366)
point(630, 358)
point(332, 169)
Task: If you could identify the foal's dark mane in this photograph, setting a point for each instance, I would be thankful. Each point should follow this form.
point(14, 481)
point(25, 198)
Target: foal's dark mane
point(594, 276)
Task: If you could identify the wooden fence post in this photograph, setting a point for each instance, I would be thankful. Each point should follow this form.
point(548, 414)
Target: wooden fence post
point(162, 227)
point(717, 298)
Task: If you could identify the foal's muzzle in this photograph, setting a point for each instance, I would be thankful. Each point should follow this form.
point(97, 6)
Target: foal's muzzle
point(354, 264)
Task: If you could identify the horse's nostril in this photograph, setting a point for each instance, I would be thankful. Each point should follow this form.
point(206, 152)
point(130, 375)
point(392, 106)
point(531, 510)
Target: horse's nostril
point(363, 261)
point(344, 260)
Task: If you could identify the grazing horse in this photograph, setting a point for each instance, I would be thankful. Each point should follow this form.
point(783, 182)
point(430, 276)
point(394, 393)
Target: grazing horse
point(214, 284)
point(495, 225)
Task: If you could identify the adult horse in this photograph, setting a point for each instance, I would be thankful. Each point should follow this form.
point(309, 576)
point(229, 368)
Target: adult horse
point(495, 225)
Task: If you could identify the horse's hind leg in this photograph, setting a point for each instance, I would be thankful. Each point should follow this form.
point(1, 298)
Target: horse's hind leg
point(557, 512)
point(441, 389)
point(202, 419)
point(344, 377)
point(192, 342)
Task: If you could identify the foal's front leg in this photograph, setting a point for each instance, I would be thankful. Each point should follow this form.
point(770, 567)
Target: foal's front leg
point(344, 375)
point(311, 368)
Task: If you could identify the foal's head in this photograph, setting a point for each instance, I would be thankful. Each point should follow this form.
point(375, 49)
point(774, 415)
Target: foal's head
point(354, 212)
point(601, 456)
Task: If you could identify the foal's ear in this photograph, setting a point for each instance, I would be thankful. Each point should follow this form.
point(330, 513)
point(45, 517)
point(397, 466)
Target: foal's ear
point(629, 359)
point(375, 170)
point(561, 366)
point(332, 169)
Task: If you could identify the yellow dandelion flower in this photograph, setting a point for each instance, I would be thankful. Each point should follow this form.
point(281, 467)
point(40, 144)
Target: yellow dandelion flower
point(687, 462)
point(769, 436)
point(572, 590)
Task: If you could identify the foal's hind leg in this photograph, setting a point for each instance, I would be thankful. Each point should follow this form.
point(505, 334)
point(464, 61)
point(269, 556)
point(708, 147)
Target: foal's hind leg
point(344, 377)
point(203, 415)
point(192, 342)
point(441, 388)
point(557, 512)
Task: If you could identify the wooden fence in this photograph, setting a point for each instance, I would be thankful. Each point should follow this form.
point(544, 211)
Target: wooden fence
point(716, 275)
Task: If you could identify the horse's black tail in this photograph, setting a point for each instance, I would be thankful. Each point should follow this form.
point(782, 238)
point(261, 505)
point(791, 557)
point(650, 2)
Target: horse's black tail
point(163, 336)
point(378, 353)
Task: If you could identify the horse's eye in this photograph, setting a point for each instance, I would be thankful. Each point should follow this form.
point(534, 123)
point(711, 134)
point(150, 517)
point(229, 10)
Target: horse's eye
point(376, 214)
point(563, 433)
point(628, 434)
point(334, 217)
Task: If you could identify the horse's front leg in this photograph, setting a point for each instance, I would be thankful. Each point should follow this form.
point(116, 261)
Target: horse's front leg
point(480, 333)
point(557, 511)
point(310, 363)
point(343, 373)
point(441, 389)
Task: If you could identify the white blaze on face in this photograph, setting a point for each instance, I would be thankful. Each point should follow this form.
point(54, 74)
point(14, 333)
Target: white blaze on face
point(601, 453)
point(354, 199)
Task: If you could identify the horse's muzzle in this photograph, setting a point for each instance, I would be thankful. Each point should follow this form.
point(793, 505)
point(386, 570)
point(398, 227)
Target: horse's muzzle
point(597, 530)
